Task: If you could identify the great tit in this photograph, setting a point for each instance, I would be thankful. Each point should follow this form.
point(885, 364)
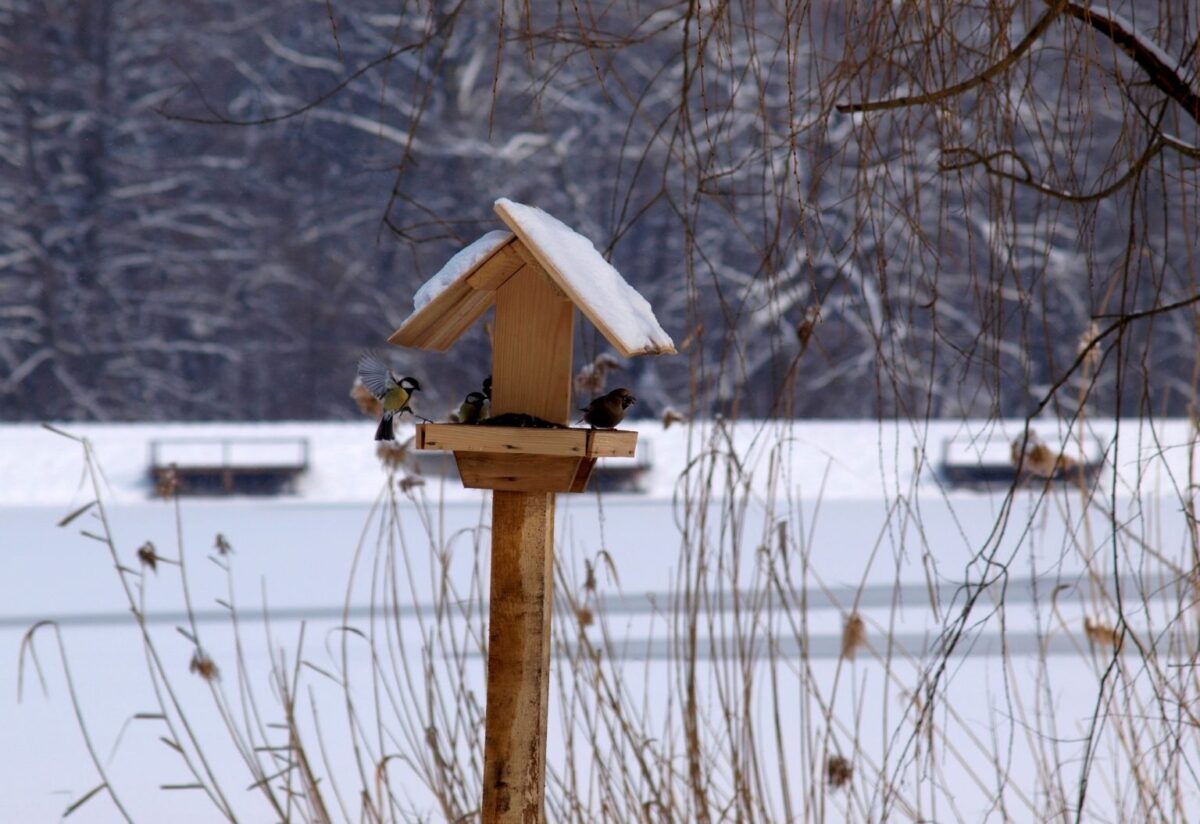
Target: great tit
point(606, 411)
point(393, 391)
point(471, 409)
point(486, 412)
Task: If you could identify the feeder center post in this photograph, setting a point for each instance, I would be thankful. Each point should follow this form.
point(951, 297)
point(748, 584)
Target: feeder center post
point(531, 373)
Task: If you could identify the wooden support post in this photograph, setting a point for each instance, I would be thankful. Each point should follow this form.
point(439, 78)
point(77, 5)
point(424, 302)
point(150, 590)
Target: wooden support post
point(531, 373)
point(518, 671)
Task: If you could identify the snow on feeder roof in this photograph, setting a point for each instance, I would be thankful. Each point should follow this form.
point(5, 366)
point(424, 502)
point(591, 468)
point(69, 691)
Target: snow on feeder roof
point(459, 294)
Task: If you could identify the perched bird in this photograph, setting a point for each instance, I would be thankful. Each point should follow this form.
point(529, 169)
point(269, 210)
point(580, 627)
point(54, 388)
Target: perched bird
point(606, 411)
point(486, 412)
point(471, 409)
point(393, 391)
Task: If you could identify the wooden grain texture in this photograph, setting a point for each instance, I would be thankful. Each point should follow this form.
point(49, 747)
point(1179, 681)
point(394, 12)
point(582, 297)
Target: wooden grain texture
point(582, 473)
point(444, 319)
point(518, 473)
point(511, 440)
point(531, 373)
point(531, 356)
point(502, 264)
point(518, 658)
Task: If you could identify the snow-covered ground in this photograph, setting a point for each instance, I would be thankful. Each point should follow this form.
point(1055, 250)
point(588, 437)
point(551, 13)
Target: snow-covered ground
point(864, 501)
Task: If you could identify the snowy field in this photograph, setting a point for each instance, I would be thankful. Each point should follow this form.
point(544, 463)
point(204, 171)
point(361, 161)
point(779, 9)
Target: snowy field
point(879, 531)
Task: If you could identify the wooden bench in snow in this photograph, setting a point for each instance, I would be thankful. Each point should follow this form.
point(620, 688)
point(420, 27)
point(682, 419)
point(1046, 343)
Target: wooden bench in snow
point(229, 466)
point(988, 461)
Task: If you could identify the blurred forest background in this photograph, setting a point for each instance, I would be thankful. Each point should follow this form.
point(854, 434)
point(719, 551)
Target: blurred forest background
point(208, 209)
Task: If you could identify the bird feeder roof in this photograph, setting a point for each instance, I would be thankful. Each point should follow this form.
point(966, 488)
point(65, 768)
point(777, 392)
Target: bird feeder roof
point(458, 295)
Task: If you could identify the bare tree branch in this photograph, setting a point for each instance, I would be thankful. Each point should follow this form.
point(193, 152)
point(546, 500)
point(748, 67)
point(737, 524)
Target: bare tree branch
point(990, 73)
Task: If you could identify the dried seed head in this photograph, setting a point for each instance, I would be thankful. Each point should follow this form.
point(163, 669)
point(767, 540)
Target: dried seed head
point(807, 324)
point(671, 415)
point(593, 376)
point(167, 482)
point(838, 771)
point(148, 557)
point(368, 404)
point(222, 545)
point(854, 635)
point(1102, 634)
point(393, 454)
point(590, 381)
point(410, 482)
point(1042, 461)
point(204, 666)
point(586, 617)
point(1039, 460)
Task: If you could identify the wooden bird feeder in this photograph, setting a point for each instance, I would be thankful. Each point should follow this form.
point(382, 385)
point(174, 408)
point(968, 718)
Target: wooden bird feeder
point(536, 274)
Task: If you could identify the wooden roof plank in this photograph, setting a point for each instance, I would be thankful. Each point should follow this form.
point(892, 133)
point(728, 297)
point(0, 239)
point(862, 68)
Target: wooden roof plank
point(494, 272)
point(443, 315)
point(460, 303)
point(636, 331)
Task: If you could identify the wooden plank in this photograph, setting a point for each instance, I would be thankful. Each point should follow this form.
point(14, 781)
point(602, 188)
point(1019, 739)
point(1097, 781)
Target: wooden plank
point(531, 361)
point(506, 440)
point(497, 269)
point(530, 259)
point(582, 473)
point(593, 313)
point(509, 440)
point(458, 319)
point(444, 319)
point(516, 473)
point(417, 325)
point(518, 671)
point(612, 443)
point(531, 373)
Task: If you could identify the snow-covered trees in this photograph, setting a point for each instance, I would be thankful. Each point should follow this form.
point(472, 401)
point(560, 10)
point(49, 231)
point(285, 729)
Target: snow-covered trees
point(842, 208)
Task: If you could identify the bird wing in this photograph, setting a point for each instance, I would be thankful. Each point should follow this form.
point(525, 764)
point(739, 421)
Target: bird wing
point(375, 374)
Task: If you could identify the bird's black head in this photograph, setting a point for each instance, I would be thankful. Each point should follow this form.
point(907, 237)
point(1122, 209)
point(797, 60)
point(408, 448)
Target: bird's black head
point(624, 396)
point(487, 386)
point(410, 384)
point(476, 399)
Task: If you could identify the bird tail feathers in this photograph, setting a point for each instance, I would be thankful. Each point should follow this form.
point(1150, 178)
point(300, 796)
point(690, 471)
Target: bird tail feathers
point(384, 432)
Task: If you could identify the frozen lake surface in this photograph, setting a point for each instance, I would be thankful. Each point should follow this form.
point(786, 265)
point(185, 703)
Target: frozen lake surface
point(858, 511)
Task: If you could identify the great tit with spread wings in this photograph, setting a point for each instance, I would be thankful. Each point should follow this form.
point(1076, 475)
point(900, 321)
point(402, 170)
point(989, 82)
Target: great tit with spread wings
point(393, 391)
